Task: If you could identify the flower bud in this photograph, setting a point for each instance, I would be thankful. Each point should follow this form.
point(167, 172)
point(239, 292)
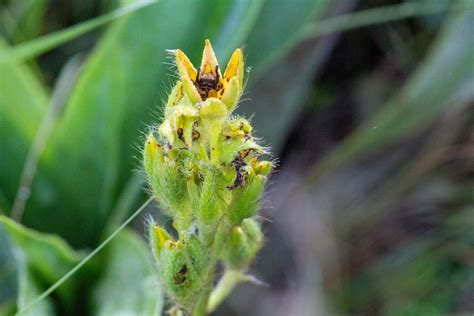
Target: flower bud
point(165, 178)
point(158, 236)
point(182, 267)
point(175, 96)
point(210, 204)
point(261, 167)
point(246, 198)
point(152, 153)
point(242, 244)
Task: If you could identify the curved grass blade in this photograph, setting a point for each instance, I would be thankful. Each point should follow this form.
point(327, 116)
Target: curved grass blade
point(83, 261)
point(360, 19)
point(43, 44)
point(378, 15)
point(238, 24)
point(61, 92)
point(23, 102)
point(273, 37)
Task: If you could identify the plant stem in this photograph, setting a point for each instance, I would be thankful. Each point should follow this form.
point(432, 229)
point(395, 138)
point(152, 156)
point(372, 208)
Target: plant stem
point(228, 281)
point(200, 309)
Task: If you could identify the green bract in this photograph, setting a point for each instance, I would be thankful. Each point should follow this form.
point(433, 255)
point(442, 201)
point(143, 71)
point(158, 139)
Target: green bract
point(207, 172)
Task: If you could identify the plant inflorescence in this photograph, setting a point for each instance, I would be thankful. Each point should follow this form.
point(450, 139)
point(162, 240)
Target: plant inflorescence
point(207, 172)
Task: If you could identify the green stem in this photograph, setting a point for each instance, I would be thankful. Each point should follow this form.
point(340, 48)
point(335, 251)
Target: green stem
point(201, 304)
point(225, 285)
point(221, 231)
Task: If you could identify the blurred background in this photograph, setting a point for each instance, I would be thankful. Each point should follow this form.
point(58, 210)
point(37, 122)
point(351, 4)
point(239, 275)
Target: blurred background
point(367, 105)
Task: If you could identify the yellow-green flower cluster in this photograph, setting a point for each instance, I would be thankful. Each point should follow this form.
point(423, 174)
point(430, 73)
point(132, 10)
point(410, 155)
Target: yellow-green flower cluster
point(206, 170)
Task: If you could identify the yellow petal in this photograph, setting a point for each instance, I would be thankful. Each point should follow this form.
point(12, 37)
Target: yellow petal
point(158, 238)
point(185, 67)
point(191, 91)
point(235, 67)
point(209, 62)
point(231, 94)
point(151, 147)
point(175, 95)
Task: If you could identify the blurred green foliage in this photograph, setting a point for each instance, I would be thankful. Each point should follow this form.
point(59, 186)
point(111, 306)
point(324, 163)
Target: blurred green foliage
point(79, 132)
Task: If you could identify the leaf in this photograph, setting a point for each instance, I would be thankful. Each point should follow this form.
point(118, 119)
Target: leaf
point(48, 256)
point(23, 101)
point(27, 18)
point(129, 285)
point(41, 45)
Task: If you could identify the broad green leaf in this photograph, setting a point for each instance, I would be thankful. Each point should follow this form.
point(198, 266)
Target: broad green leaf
point(129, 285)
point(23, 102)
point(444, 80)
point(47, 256)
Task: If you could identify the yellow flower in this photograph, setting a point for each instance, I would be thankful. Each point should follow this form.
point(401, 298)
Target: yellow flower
point(207, 81)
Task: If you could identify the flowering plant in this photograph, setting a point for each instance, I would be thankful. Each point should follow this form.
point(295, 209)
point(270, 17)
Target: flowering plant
point(207, 172)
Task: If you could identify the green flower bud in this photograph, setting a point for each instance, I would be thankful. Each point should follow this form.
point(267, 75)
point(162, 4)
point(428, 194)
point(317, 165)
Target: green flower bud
point(243, 243)
point(246, 198)
point(182, 267)
point(169, 186)
point(175, 97)
point(158, 237)
point(211, 205)
point(261, 167)
point(153, 153)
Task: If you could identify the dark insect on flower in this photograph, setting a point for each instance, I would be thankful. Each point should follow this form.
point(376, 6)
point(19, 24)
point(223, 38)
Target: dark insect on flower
point(207, 81)
point(180, 134)
point(238, 163)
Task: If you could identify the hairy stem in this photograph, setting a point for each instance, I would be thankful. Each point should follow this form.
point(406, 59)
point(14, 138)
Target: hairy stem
point(223, 288)
point(221, 232)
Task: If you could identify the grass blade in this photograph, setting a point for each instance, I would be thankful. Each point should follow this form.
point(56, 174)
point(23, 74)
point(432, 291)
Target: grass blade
point(43, 44)
point(83, 261)
point(61, 92)
point(378, 15)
